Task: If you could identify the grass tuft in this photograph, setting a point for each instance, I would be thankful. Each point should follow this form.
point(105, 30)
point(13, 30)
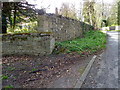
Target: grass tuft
point(4, 77)
point(9, 86)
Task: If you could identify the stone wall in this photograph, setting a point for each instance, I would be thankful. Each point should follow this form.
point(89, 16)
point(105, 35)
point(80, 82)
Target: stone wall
point(27, 44)
point(51, 28)
point(63, 28)
point(111, 28)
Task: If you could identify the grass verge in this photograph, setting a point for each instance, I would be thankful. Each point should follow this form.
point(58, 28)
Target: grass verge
point(92, 41)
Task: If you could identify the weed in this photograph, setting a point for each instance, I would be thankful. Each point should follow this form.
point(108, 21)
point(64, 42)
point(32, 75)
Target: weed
point(9, 86)
point(3, 77)
point(33, 69)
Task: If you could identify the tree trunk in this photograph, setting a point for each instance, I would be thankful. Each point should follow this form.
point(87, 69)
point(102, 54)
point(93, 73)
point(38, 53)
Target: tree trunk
point(0, 17)
point(4, 18)
point(4, 24)
point(14, 23)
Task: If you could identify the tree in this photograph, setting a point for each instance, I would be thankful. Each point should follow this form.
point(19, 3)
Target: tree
point(98, 14)
point(118, 16)
point(0, 17)
point(16, 12)
point(68, 11)
point(89, 13)
point(112, 16)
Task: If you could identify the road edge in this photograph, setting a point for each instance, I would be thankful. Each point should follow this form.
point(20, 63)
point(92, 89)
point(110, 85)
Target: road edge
point(85, 73)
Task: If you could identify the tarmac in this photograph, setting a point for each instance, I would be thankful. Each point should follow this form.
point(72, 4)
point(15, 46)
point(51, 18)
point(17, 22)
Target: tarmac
point(104, 72)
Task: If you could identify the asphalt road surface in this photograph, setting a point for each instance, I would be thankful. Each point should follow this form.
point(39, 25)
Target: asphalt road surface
point(105, 71)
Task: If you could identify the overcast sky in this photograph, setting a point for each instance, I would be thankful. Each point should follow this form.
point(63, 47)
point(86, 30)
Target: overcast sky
point(51, 4)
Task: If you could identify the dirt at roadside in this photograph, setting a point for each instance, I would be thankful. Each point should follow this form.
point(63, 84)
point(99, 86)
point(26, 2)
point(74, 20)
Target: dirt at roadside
point(46, 71)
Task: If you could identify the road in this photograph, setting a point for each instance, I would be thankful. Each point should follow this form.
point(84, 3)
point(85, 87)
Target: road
point(105, 70)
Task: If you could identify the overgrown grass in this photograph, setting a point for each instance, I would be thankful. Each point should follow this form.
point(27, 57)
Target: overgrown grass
point(92, 41)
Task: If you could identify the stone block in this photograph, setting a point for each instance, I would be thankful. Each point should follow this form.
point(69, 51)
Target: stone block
point(34, 44)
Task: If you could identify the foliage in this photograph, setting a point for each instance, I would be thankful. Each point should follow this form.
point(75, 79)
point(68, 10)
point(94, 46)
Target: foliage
point(92, 41)
point(98, 15)
point(3, 77)
point(24, 28)
point(16, 12)
point(33, 69)
point(9, 86)
point(118, 17)
point(112, 17)
point(68, 11)
point(89, 13)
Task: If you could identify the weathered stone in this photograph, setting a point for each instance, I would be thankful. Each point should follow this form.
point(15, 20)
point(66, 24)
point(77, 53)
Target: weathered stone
point(63, 28)
point(112, 28)
point(36, 44)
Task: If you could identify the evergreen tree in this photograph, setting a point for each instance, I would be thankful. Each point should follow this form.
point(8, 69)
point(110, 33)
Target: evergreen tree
point(16, 12)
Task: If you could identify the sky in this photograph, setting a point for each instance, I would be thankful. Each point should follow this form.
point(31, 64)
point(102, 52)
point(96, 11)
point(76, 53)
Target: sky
point(52, 4)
